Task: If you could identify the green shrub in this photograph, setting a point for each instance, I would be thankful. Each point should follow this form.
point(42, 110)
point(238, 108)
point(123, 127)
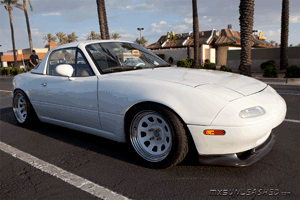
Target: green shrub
point(185, 63)
point(4, 71)
point(14, 71)
point(207, 61)
point(271, 63)
point(11, 71)
point(162, 56)
point(200, 67)
point(270, 72)
point(211, 66)
point(292, 72)
point(225, 68)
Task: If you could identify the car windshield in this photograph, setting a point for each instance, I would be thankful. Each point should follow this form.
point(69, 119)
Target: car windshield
point(118, 56)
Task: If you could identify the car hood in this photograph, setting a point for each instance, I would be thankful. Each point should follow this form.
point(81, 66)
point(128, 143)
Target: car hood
point(218, 82)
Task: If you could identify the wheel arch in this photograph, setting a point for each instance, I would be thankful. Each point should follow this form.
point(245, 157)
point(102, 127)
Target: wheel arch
point(131, 109)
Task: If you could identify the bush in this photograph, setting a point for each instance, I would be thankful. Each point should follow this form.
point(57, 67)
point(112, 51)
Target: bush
point(271, 63)
point(225, 68)
point(207, 61)
point(211, 66)
point(292, 72)
point(270, 72)
point(4, 71)
point(162, 56)
point(185, 63)
point(11, 71)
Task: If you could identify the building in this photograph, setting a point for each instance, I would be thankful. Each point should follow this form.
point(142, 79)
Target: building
point(213, 45)
point(23, 56)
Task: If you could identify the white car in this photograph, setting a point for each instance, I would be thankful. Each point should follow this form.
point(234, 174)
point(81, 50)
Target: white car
point(162, 110)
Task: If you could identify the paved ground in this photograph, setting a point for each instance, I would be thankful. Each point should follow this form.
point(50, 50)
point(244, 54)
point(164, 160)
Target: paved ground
point(114, 166)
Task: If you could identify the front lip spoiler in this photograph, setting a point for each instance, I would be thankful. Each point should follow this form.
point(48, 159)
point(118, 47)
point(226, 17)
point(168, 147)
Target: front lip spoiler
point(242, 159)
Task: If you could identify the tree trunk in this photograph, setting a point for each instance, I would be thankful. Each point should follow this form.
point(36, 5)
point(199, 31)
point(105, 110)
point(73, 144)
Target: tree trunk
point(246, 10)
point(105, 21)
point(284, 62)
point(12, 36)
point(28, 25)
point(196, 34)
point(102, 17)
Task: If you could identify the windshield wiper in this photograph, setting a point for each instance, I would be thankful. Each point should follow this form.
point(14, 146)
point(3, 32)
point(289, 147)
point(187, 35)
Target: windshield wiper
point(121, 67)
point(165, 65)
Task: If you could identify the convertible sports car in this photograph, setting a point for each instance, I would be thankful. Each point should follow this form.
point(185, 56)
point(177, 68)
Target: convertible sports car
point(124, 92)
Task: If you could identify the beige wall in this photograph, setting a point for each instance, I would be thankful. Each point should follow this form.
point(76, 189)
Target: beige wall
point(259, 56)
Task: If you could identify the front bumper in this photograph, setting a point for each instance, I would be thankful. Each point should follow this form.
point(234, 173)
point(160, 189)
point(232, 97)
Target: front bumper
point(240, 159)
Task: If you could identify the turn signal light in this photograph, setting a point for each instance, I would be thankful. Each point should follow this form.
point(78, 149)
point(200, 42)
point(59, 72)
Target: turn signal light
point(214, 132)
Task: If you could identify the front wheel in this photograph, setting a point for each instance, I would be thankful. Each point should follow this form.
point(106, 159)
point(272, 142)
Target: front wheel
point(158, 136)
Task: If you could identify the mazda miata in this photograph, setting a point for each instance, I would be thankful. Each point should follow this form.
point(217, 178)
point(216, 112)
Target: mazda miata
point(124, 92)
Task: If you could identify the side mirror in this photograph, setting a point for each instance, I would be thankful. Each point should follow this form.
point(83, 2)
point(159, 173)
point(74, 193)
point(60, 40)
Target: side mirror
point(64, 70)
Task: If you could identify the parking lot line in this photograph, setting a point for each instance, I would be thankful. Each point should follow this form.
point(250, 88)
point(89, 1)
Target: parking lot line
point(289, 93)
point(292, 120)
point(66, 176)
point(5, 91)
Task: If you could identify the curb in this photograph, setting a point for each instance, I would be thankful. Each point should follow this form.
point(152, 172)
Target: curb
point(280, 81)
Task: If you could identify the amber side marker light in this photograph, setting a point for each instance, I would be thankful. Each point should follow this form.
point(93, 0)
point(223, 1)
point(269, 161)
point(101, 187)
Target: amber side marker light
point(214, 132)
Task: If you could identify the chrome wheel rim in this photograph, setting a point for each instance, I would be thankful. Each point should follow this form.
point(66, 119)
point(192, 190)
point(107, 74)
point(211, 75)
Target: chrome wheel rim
point(20, 107)
point(151, 136)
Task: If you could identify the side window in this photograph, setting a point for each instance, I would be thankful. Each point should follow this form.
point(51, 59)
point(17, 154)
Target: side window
point(62, 56)
point(83, 68)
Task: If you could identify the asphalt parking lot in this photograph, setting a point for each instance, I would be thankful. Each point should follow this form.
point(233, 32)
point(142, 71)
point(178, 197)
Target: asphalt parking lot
point(114, 166)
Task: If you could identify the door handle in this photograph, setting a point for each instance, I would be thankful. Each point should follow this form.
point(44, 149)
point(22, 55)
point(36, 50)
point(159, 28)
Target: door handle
point(44, 84)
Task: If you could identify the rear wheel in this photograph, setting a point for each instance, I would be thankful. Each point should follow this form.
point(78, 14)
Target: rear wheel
point(22, 108)
point(157, 136)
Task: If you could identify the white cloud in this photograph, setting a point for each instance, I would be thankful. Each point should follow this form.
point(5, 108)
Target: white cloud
point(188, 20)
point(204, 17)
point(52, 14)
point(141, 7)
point(294, 19)
point(161, 23)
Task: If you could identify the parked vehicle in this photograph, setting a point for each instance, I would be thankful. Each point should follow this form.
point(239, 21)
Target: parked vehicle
point(155, 106)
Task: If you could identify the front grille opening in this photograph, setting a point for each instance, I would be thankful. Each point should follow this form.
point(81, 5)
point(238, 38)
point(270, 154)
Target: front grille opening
point(244, 155)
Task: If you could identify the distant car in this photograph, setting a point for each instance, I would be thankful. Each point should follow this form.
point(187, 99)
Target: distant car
point(162, 110)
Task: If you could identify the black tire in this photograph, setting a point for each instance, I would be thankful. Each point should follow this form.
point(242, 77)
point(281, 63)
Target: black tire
point(175, 147)
point(22, 109)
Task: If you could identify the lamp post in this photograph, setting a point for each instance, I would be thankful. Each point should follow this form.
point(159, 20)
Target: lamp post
point(140, 29)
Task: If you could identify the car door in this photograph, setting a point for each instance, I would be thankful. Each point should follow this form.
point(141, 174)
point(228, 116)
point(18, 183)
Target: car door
point(64, 99)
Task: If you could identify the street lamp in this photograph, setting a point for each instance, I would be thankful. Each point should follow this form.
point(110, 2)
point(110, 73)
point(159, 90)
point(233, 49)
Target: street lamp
point(140, 29)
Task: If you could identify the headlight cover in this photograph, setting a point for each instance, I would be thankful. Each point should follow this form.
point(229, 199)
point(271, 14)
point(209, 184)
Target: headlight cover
point(252, 112)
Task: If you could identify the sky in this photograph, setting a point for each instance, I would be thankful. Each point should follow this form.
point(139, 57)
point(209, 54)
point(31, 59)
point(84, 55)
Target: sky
point(157, 17)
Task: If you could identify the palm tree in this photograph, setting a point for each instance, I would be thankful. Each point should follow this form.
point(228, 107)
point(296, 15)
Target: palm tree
point(61, 38)
point(72, 37)
point(49, 37)
point(115, 36)
point(102, 19)
point(8, 5)
point(27, 22)
point(141, 41)
point(284, 62)
point(196, 34)
point(93, 36)
point(246, 10)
